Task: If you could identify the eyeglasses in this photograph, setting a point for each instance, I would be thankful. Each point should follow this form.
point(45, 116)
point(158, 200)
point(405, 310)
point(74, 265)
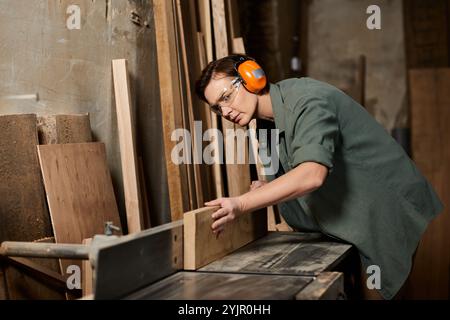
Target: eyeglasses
point(227, 97)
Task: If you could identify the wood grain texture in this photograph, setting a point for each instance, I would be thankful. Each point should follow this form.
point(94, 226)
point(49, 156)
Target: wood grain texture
point(86, 273)
point(55, 129)
point(212, 122)
point(127, 141)
point(79, 190)
point(286, 253)
point(238, 175)
point(223, 286)
point(171, 108)
point(430, 118)
point(201, 246)
point(23, 213)
point(185, 45)
point(204, 7)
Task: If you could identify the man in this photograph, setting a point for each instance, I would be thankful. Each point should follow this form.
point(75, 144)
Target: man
point(341, 173)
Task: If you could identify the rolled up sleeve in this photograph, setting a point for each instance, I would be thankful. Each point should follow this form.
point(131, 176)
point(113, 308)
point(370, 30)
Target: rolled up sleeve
point(315, 132)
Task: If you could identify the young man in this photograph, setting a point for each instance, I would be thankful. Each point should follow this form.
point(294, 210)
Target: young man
point(341, 173)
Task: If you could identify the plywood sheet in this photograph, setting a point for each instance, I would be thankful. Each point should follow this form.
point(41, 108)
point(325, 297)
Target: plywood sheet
point(79, 191)
point(64, 128)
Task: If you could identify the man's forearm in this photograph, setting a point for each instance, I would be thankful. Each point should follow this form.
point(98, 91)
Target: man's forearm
point(298, 182)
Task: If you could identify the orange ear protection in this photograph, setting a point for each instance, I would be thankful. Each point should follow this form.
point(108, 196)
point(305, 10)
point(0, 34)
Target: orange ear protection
point(251, 74)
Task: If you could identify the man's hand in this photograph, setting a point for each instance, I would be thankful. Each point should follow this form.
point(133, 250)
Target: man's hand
point(230, 209)
point(257, 184)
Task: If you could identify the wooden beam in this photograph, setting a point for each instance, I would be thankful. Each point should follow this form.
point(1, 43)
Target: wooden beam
point(206, 27)
point(201, 246)
point(430, 118)
point(125, 123)
point(171, 106)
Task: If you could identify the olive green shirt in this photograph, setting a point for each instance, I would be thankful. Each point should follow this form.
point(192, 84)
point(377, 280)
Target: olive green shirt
point(374, 197)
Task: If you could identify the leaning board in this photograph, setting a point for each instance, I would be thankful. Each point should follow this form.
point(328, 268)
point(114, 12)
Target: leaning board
point(79, 190)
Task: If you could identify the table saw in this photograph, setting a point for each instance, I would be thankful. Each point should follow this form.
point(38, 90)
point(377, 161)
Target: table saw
point(149, 265)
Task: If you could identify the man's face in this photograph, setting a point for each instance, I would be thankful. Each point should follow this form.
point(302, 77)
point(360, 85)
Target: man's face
point(227, 97)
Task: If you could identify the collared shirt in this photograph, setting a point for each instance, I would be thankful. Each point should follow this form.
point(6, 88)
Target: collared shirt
point(374, 197)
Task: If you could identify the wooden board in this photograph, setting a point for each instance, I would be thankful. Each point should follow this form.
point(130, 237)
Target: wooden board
point(201, 246)
point(86, 274)
point(23, 214)
point(206, 27)
point(212, 122)
point(55, 129)
point(168, 71)
point(285, 253)
point(125, 123)
point(223, 286)
point(238, 175)
point(145, 205)
point(430, 118)
point(79, 190)
point(196, 190)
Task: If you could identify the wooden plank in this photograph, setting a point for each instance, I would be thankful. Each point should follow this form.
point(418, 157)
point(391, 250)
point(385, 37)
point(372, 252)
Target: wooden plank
point(190, 109)
point(55, 129)
point(79, 190)
point(430, 116)
point(125, 123)
point(170, 103)
point(201, 246)
point(223, 286)
point(87, 274)
point(143, 185)
point(327, 286)
point(217, 172)
point(285, 253)
point(206, 27)
point(238, 175)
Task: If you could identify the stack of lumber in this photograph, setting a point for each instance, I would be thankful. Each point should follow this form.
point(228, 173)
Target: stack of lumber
point(190, 34)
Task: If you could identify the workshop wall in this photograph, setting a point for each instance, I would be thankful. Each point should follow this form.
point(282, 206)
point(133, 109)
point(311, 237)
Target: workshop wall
point(337, 36)
point(70, 70)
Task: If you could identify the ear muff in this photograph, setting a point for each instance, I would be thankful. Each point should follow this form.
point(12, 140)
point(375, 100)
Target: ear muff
point(253, 76)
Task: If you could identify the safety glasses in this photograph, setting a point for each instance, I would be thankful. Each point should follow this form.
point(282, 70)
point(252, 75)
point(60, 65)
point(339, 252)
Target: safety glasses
point(227, 96)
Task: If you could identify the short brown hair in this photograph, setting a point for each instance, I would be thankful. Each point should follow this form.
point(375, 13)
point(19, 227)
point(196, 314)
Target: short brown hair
point(225, 66)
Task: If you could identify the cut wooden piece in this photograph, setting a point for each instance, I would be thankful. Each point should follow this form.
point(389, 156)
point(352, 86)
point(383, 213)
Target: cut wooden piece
point(238, 175)
point(125, 124)
point(201, 246)
point(205, 27)
point(430, 118)
point(86, 273)
point(171, 107)
point(55, 129)
point(79, 191)
point(23, 214)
